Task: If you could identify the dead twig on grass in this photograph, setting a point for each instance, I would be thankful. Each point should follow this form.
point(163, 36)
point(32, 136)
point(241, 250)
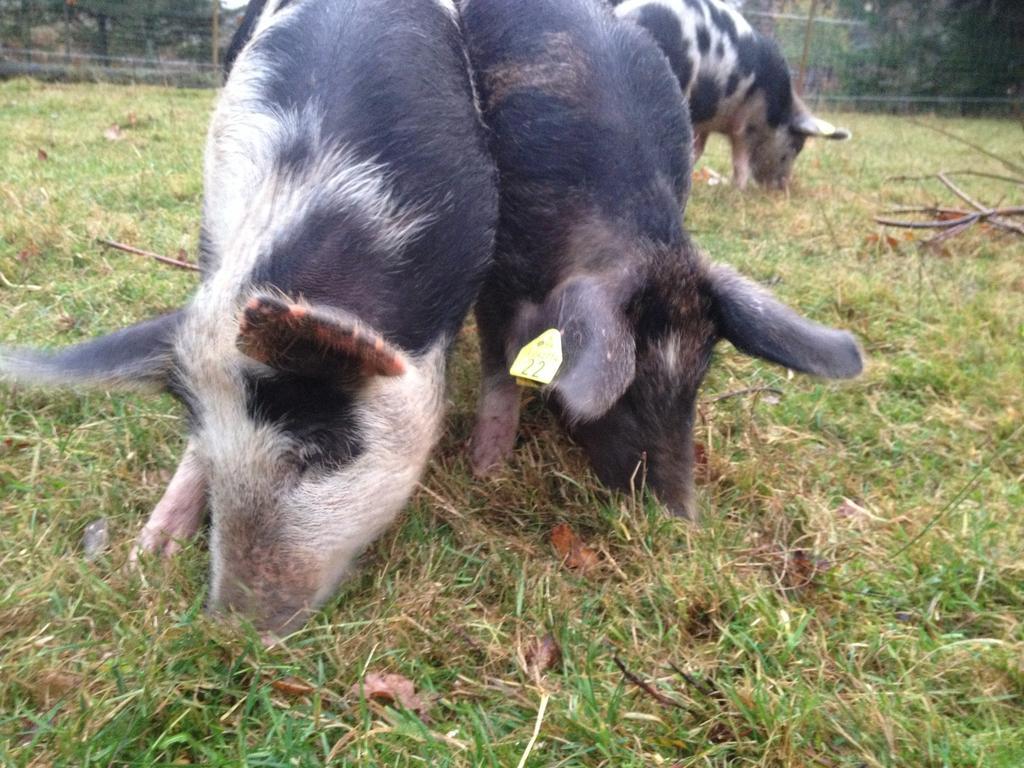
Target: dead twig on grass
point(139, 252)
point(944, 178)
point(952, 221)
point(703, 687)
point(746, 391)
point(963, 218)
point(980, 174)
point(968, 218)
point(992, 216)
point(646, 687)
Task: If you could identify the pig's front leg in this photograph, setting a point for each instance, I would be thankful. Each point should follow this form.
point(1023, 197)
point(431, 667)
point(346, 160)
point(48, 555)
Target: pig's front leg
point(497, 416)
point(740, 160)
point(497, 421)
point(178, 514)
point(700, 141)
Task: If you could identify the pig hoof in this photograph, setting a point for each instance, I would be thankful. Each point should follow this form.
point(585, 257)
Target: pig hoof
point(487, 457)
point(270, 640)
point(156, 542)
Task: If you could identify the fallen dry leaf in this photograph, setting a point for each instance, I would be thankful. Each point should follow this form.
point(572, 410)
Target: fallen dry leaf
point(113, 133)
point(801, 568)
point(542, 655)
point(709, 176)
point(292, 686)
point(41, 154)
point(891, 241)
point(54, 684)
point(9, 445)
point(66, 322)
point(572, 550)
point(700, 455)
point(390, 689)
point(702, 469)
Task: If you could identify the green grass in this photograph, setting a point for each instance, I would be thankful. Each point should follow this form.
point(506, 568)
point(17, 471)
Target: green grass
point(816, 631)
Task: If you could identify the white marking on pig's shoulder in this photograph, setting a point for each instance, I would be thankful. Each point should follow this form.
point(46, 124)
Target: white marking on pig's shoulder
point(255, 199)
point(248, 197)
point(342, 181)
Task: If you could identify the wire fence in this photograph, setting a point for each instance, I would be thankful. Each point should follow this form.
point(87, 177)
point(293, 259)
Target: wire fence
point(87, 67)
point(852, 64)
point(841, 62)
point(168, 42)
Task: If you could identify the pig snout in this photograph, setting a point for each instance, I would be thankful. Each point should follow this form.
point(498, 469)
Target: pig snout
point(275, 592)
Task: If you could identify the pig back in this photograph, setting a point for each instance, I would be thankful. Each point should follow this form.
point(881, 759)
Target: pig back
point(402, 234)
point(585, 115)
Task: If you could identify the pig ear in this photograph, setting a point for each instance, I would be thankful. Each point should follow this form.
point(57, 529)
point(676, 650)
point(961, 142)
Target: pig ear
point(809, 125)
point(760, 325)
point(598, 350)
point(313, 340)
point(138, 357)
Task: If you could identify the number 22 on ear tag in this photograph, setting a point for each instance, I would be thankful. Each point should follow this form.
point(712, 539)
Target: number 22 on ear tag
point(538, 362)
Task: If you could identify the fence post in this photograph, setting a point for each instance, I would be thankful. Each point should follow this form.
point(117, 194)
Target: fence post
point(26, 29)
point(67, 32)
point(808, 33)
point(216, 34)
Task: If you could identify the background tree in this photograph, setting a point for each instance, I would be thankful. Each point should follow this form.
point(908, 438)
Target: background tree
point(965, 48)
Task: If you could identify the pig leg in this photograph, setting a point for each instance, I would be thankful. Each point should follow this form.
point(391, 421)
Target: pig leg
point(740, 160)
point(178, 514)
point(497, 418)
point(700, 140)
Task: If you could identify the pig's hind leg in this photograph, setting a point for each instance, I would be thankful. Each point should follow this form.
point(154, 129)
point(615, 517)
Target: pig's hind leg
point(497, 418)
point(178, 514)
point(740, 160)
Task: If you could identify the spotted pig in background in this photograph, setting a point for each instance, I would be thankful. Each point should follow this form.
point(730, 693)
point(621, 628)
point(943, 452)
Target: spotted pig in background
point(737, 83)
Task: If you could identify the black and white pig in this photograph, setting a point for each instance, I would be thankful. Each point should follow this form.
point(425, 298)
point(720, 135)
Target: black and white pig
point(348, 219)
point(737, 83)
point(586, 117)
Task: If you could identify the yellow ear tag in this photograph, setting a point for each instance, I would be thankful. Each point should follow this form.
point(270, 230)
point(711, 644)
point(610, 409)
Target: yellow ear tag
point(539, 361)
point(825, 128)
